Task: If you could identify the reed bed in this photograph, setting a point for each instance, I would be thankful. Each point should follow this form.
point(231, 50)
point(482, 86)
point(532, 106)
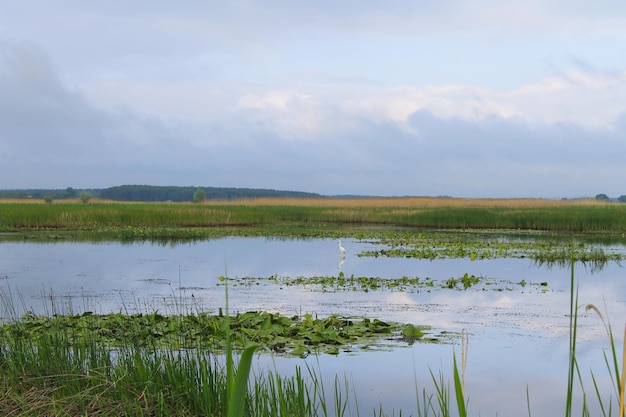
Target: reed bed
point(54, 370)
point(409, 202)
point(268, 214)
point(54, 376)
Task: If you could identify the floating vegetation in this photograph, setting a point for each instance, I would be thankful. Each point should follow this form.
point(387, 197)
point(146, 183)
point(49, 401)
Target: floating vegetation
point(543, 248)
point(293, 336)
point(342, 282)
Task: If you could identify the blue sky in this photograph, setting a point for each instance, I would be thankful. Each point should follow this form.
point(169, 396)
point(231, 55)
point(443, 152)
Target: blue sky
point(467, 99)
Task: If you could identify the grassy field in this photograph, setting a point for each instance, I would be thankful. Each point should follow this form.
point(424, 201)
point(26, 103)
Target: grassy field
point(302, 216)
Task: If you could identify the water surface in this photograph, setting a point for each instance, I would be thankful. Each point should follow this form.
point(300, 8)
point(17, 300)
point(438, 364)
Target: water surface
point(518, 335)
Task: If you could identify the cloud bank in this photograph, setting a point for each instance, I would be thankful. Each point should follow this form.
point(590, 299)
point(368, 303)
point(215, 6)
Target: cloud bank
point(301, 99)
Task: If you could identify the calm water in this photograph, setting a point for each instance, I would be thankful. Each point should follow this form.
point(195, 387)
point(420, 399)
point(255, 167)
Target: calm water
point(518, 336)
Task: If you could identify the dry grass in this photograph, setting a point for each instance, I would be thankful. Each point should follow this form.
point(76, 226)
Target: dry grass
point(407, 202)
point(365, 202)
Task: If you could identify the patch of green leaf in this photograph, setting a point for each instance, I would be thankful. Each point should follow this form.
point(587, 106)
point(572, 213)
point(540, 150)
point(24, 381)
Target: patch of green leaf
point(297, 336)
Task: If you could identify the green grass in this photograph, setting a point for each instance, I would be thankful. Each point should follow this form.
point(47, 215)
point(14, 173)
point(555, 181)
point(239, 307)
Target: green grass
point(117, 365)
point(54, 377)
point(189, 221)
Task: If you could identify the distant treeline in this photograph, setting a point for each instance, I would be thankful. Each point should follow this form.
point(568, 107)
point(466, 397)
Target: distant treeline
point(173, 193)
point(154, 193)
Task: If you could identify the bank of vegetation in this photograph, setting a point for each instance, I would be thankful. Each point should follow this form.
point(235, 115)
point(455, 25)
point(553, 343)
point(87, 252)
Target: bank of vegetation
point(152, 365)
point(297, 216)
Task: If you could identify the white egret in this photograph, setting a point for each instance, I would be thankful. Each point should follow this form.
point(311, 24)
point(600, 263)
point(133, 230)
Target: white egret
point(342, 250)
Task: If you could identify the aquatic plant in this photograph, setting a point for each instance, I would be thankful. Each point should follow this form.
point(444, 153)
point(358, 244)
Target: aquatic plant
point(164, 220)
point(544, 249)
point(296, 336)
point(341, 282)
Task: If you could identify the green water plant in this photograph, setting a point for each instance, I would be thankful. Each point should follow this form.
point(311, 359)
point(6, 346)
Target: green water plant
point(541, 248)
point(58, 367)
point(292, 336)
point(343, 282)
point(54, 376)
point(303, 217)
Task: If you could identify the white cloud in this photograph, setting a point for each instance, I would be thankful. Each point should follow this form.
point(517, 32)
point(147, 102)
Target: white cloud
point(273, 99)
point(438, 140)
point(589, 99)
point(406, 98)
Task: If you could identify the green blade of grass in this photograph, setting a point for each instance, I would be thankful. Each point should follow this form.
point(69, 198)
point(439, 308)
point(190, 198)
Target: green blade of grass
point(458, 388)
point(237, 397)
point(623, 378)
point(598, 395)
point(573, 310)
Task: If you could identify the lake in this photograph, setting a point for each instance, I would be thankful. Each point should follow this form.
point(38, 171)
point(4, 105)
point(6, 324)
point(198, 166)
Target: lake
point(518, 334)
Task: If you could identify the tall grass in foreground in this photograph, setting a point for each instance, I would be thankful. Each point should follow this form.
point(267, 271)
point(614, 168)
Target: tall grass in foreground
point(53, 371)
point(237, 382)
point(443, 390)
point(55, 376)
point(612, 365)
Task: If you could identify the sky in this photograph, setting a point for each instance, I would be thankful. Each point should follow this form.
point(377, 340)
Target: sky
point(423, 98)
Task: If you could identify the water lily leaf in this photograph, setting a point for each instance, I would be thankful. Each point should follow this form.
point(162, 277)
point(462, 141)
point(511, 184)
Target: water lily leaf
point(332, 351)
point(300, 351)
point(409, 330)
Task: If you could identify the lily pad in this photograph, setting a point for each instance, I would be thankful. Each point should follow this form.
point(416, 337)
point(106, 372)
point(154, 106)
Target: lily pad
point(296, 336)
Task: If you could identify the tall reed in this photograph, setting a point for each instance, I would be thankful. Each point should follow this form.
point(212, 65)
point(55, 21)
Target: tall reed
point(166, 219)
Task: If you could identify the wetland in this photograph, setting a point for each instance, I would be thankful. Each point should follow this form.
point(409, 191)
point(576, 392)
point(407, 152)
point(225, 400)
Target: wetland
point(416, 289)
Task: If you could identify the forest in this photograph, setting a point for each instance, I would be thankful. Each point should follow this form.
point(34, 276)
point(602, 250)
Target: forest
point(153, 193)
